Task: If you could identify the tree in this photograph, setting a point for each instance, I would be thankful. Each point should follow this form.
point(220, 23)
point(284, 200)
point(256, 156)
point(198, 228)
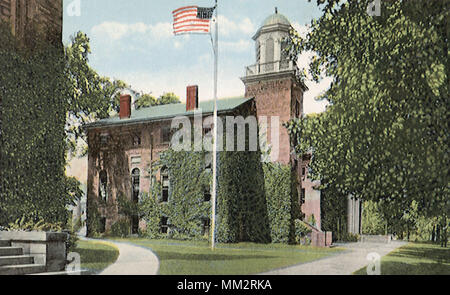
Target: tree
point(92, 97)
point(145, 101)
point(384, 136)
point(168, 98)
point(148, 100)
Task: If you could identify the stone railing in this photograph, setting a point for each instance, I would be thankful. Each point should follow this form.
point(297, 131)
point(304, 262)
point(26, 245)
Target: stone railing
point(270, 67)
point(47, 248)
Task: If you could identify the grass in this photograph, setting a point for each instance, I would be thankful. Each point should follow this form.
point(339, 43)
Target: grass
point(415, 259)
point(96, 256)
point(196, 258)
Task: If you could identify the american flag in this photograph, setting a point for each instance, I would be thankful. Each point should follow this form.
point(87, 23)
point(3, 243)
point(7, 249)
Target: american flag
point(192, 19)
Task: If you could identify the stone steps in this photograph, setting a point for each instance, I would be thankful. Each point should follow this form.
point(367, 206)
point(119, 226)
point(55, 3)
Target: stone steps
point(23, 269)
point(11, 251)
point(16, 260)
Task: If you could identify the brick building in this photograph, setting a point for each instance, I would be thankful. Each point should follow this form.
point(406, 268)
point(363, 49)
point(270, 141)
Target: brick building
point(123, 148)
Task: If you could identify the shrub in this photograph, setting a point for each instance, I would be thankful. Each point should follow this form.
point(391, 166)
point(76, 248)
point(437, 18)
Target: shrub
point(301, 232)
point(349, 237)
point(121, 228)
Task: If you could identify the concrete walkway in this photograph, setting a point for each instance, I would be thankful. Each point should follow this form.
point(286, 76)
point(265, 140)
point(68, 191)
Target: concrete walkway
point(353, 259)
point(132, 260)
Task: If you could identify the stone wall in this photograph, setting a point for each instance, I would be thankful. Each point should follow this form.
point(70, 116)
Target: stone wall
point(46, 14)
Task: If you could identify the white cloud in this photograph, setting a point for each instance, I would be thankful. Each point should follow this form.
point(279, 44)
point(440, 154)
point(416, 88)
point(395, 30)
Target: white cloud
point(236, 46)
point(301, 29)
point(228, 27)
point(175, 80)
point(310, 104)
point(116, 30)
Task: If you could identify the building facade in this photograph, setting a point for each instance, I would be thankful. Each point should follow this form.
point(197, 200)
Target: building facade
point(273, 81)
point(47, 15)
point(123, 148)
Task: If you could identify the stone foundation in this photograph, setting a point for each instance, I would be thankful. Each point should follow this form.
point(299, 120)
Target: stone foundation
point(47, 248)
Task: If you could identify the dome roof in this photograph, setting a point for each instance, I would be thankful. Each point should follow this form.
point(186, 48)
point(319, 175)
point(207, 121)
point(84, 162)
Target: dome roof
point(275, 19)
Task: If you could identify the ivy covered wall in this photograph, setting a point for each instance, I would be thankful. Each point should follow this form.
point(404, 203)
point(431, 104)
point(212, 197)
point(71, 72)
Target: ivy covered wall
point(34, 99)
point(256, 202)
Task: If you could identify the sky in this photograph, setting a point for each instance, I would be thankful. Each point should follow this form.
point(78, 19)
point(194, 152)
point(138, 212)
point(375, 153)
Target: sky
point(133, 41)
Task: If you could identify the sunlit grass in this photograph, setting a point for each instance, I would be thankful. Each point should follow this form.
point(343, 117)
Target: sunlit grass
point(96, 256)
point(415, 259)
point(197, 258)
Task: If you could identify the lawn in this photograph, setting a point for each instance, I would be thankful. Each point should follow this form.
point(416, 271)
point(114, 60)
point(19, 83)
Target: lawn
point(415, 259)
point(96, 256)
point(196, 258)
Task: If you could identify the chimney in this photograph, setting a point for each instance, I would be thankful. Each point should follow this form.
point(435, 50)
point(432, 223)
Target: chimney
point(192, 98)
point(125, 106)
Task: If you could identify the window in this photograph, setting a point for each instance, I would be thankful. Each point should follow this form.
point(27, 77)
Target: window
point(207, 195)
point(207, 132)
point(164, 227)
point(258, 52)
point(208, 162)
point(206, 226)
point(165, 135)
point(136, 140)
point(104, 139)
point(270, 52)
point(102, 225)
point(103, 185)
point(297, 109)
point(135, 184)
point(165, 184)
point(303, 171)
point(302, 196)
point(136, 160)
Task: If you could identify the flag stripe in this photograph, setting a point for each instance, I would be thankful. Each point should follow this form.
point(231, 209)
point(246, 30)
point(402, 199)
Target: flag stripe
point(181, 8)
point(190, 19)
point(206, 27)
point(188, 16)
point(191, 30)
point(193, 11)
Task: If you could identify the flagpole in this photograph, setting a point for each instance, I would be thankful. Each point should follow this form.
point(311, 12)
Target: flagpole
point(214, 185)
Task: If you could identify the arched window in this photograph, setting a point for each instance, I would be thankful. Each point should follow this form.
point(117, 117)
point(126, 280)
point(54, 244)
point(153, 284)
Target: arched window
point(270, 54)
point(103, 185)
point(258, 52)
point(135, 184)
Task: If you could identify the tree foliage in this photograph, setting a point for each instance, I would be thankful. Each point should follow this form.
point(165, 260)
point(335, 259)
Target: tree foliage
point(92, 96)
point(385, 135)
